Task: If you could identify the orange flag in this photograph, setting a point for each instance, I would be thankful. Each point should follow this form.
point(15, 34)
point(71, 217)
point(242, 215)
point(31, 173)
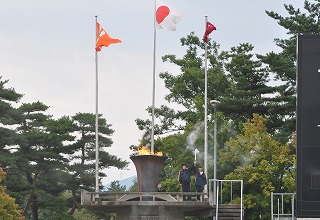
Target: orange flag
point(103, 38)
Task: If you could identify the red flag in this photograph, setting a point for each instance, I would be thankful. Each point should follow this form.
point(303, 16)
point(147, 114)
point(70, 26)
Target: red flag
point(103, 39)
point(209, 29)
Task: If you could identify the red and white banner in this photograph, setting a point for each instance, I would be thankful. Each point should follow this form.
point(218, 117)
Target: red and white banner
point(166, 16)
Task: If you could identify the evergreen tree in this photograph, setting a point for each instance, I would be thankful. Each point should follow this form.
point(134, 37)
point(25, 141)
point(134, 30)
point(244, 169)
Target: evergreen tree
point(8, 96)
point(187, 88)
point(249, 92)
point(283, 64)
point(82, 168)
point(37, 157)
point(134, 187)
point(115, 186)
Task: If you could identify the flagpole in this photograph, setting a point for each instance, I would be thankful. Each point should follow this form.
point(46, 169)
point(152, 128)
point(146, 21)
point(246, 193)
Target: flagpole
point(206, 108)
point(96, 120)
point(154, 77)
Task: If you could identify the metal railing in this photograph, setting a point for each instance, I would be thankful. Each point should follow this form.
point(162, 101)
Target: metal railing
point(225, 189)
point(90, 198)
point(284, 207)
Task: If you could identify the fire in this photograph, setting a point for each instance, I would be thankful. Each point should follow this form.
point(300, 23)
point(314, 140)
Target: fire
point(146, 151)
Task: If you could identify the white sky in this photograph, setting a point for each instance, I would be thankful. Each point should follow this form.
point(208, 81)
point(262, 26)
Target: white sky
point(47, 53)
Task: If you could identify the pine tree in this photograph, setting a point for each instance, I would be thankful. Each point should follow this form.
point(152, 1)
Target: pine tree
point(249, 92)
point(83, 159)
point(283, 64)
point(38, 157)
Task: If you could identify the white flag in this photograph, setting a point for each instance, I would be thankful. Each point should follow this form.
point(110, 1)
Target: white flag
point(166, 16)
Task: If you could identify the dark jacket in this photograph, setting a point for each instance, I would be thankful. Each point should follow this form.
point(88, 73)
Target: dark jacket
point(185, 175)
point(201, 179)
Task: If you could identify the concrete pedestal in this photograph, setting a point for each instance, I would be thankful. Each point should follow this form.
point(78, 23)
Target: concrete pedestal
point(162, 212)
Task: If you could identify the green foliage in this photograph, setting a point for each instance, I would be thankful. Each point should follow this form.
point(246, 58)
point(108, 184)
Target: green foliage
point(8, 207)
point(82, 170)
point(54, 208)
point(174, 147)
point(249, 92)
point(116, 187)
point(238, 78)
point(187, 88)
point(83, 159)
point(83, 214)
point(41, 155)
point(283, 64)
point(134, 187)
point(262, 163)
point(37, 160)
point(44, 156)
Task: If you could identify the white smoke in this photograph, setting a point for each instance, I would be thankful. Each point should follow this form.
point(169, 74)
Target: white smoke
point(192, 139)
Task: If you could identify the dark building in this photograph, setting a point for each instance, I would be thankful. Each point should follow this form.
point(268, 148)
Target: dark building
point(308, 127)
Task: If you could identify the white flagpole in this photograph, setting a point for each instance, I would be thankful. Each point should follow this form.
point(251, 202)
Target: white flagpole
point(154, 77)
point(96, 122)
point(206, 108)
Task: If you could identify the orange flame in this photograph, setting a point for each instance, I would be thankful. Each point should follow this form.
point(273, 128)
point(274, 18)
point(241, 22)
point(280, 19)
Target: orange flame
point(146, 151)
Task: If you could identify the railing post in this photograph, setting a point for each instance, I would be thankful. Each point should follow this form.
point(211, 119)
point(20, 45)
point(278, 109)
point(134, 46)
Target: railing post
point(278, 209)
point(217, 202)
point(292, 206)
point(241, 211)
point(220, 192)
point(271, 205)
point(210, 193)
point(214, 191)
point(231, 192)
point(282, 210)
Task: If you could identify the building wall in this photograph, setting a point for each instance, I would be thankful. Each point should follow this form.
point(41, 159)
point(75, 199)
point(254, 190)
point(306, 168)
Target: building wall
point(308, 127)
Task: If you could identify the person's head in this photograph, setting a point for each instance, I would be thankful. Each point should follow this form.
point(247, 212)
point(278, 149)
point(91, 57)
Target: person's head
point(183, 166)
point(200, 168)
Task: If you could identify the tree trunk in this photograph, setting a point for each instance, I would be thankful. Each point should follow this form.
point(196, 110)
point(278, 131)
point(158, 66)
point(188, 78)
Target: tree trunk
point(25, 210)
point(74, 202)
point(34, 207)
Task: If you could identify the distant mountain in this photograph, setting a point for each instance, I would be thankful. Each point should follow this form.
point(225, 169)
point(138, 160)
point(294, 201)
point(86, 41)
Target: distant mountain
point(128, 182)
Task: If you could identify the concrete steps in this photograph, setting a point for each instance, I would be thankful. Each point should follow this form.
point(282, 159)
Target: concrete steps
point(229, 212)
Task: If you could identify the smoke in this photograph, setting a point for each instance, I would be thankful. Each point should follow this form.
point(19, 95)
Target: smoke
point(249, 156)
point(192, 140)
point(192, 144)
point(147, 136)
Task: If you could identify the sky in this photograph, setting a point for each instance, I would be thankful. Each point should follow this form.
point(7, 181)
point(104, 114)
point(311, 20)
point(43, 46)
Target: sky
point(47, 53)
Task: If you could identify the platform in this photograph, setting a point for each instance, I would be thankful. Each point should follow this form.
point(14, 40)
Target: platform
point(156, 205)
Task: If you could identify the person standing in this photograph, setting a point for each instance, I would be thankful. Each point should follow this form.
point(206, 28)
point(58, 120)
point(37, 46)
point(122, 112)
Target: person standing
point(184, 178)
point(200, 182)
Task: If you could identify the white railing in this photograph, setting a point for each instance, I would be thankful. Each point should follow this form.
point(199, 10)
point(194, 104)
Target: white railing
point(283, 201)
point(216, 188)
point(90, 198)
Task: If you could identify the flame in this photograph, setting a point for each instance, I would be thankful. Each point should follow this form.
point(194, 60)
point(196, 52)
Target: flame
point(146, 151)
